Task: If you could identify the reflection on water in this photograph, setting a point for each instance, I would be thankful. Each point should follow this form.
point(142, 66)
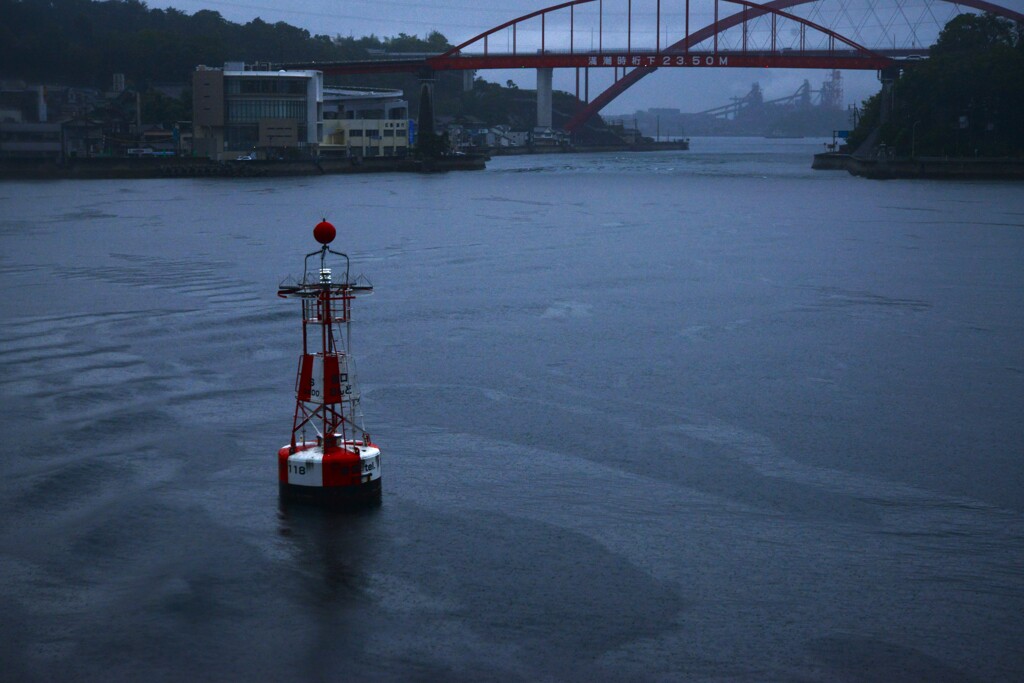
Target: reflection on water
point(332, 548)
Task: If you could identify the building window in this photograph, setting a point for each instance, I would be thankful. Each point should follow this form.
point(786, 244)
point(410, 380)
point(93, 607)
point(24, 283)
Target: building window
point(245, 136)
point(246, 110)
point(265, 86)
point(389, 133)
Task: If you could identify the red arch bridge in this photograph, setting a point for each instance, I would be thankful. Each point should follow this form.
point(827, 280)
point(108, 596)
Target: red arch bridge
point(634, 38)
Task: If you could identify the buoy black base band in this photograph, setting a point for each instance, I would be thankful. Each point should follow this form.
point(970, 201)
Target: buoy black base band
point(341, 496)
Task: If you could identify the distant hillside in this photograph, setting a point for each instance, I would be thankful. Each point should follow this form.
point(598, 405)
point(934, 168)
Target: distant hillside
point(83, 43)
point(966, 100)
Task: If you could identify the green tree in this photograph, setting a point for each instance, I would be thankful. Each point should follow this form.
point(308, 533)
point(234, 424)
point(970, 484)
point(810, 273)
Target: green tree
point(972, 33)
point(158, 108)
point(965, 100)
point(84, 42)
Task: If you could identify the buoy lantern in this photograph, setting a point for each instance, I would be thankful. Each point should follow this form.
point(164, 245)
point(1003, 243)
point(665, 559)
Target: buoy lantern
point(330, 458)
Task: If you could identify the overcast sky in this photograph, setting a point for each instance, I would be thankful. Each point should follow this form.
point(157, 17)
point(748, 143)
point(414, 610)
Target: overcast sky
point(459, 20)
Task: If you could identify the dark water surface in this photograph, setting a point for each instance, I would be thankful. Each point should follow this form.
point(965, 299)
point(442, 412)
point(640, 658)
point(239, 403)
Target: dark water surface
point(681, 416)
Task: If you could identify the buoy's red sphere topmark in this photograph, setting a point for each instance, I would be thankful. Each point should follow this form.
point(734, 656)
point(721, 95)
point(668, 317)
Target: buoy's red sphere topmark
point(324, 232)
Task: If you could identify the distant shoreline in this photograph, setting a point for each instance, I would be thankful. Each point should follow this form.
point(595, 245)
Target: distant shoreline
point(653, 146)
point(189, 167)
point(108, 168)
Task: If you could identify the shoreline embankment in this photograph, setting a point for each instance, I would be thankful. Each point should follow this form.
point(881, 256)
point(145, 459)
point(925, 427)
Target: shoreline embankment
point(109, 168)
point(932, 168)
point(654, 146)
point(189, 167)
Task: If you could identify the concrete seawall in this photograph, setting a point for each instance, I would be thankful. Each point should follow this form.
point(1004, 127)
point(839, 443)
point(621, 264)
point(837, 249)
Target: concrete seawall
point(107, 168)
point(675, 145)
point(831, 161)
point(935, 168)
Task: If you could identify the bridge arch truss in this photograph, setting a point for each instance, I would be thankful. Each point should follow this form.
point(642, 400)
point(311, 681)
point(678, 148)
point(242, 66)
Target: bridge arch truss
point(720, 25)
point(619, 35)
point(756, 35)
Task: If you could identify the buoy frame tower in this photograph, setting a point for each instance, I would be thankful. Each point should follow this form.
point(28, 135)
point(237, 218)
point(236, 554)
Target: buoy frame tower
point(331, 458)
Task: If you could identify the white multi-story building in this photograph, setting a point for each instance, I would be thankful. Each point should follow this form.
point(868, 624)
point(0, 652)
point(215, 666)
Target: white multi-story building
point(238, 110)
point(365, 122)
point(243, 111)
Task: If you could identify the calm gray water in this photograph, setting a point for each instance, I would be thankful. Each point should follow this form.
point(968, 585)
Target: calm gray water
point(704, 415)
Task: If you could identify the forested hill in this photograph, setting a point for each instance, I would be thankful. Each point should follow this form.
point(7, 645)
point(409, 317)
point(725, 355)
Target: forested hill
point(81, 42)
point(966, 100)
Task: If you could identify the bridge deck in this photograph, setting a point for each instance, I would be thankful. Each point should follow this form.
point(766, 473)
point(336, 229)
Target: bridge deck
point(619, 58)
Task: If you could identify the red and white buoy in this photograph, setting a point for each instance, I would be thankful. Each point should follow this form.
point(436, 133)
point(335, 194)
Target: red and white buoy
point(337, 463)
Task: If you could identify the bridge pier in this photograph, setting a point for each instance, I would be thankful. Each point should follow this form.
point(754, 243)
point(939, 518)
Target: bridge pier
point(425, 121)
point(544, 96)
point(887, 77)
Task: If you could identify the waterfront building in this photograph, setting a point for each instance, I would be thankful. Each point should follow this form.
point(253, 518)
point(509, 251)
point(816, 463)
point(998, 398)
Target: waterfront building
point(25, 129)
point(241, 110)
point(30, 140)
point(365, 122)
point(250, 111)
point(83, 138)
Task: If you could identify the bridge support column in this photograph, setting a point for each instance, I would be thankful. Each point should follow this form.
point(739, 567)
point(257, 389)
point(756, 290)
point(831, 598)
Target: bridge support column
point(888, 77)
point(425, 121)
point(468, 76)
point(544, 97)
